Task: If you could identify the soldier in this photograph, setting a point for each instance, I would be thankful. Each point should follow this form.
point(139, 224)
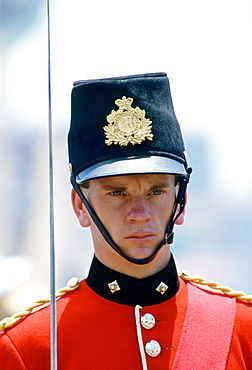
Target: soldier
point(129, 173)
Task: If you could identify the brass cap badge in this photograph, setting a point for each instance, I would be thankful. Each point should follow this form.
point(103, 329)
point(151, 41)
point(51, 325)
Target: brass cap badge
point(127, 124)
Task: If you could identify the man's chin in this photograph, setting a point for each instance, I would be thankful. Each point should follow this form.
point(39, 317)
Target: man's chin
point(140, 253)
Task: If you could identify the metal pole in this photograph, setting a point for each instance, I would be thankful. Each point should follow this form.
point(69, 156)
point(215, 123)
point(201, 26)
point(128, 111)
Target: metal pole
point(53, 320)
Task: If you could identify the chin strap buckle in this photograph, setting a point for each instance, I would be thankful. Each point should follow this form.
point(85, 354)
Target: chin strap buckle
point(169, 238)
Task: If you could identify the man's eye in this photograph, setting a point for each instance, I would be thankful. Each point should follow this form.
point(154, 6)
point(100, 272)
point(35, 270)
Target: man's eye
point(157, 192)
point(116, 193)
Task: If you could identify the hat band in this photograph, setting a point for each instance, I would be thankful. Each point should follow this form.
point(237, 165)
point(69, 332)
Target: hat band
point(130, 166)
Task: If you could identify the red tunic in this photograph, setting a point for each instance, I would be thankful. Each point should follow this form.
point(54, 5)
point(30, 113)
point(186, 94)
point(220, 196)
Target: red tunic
point(94, 333)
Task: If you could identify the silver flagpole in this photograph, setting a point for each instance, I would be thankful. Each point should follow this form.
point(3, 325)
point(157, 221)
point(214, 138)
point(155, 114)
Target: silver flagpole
point(52, 249)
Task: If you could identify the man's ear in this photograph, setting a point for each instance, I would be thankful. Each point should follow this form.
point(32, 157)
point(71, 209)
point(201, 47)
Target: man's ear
point(80, 210)
point(181, 217)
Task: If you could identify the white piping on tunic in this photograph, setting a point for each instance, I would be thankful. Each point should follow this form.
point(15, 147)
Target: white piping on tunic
point(139, 337)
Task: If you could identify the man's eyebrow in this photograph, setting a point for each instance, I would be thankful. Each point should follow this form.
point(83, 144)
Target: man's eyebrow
point(160, 185)
point(113, 187)
point(121, 187)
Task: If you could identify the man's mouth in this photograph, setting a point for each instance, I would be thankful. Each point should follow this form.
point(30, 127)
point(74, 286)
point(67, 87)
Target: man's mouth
point(140, 236)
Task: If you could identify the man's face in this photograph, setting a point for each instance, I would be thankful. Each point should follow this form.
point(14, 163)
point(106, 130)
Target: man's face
point(135, 210)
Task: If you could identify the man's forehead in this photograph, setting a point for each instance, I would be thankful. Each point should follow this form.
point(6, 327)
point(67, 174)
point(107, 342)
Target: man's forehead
point(126, 180)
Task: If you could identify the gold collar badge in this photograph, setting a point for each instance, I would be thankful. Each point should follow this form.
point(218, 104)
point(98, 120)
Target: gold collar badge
point(127, 124)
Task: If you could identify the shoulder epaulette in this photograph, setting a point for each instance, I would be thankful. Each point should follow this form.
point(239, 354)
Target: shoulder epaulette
point(8, 322)
point(185, 275)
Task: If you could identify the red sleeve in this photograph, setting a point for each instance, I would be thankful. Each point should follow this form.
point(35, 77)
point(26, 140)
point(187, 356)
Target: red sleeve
point(240, 356)
point(10, 359)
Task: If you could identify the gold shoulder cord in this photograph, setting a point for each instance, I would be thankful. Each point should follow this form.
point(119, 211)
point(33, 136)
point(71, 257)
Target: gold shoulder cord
point(8, 322)
point(185, 275)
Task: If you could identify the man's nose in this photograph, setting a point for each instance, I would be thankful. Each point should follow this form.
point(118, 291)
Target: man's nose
point(139, 211)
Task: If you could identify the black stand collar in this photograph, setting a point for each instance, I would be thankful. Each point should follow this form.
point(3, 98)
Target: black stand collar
point(131, 291)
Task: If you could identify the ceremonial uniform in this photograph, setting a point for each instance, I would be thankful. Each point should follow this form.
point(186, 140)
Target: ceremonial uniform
point(129, 173)
point(96, 332)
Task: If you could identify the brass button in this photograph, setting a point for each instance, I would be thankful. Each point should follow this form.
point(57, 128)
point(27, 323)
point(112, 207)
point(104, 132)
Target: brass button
point(152, 348)
point(72, 282)
point(148, 321)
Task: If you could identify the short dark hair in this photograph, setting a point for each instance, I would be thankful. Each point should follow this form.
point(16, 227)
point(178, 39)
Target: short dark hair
point(85, 184)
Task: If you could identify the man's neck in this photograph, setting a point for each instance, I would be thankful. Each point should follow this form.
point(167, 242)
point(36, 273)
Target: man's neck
point(119, 264)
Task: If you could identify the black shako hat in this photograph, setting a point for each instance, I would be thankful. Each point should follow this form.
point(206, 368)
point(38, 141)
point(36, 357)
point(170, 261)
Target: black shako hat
point(124, 125)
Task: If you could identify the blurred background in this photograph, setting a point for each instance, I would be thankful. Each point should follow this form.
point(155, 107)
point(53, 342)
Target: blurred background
point(205, 48)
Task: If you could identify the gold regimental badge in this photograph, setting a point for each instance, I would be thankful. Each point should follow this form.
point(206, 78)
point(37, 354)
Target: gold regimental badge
point(114, 286)
point(162, 288)
point(127, 124)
